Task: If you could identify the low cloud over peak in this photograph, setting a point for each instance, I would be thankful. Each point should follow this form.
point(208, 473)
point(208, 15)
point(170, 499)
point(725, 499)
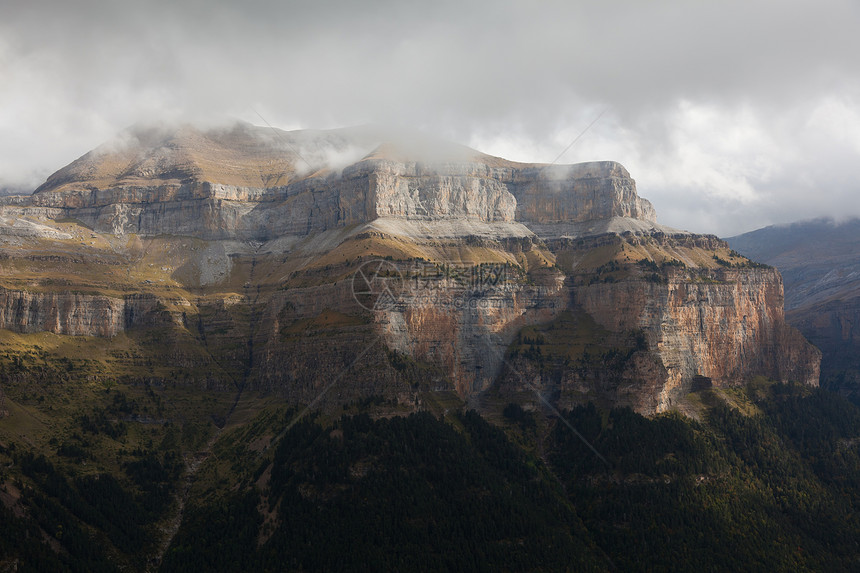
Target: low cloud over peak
point(731, 116)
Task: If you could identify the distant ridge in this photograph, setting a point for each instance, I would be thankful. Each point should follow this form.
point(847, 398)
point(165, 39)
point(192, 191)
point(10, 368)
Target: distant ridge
point(820, 263)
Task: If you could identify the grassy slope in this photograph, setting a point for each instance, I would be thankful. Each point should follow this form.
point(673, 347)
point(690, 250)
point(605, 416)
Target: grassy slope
point(67, 401)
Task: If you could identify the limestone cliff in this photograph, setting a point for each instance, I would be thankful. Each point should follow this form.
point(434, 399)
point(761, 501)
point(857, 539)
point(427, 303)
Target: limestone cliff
point(727, 325)
point(74, 314)
point(247, 183)
point(467, 328)
point(579, 193)
point(667, 311)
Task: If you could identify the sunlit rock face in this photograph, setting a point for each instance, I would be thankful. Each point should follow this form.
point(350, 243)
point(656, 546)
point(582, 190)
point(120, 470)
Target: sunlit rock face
point(74, 314)
point(729, 329)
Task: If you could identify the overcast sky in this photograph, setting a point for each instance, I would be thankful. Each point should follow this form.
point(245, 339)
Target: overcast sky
point(730, 115)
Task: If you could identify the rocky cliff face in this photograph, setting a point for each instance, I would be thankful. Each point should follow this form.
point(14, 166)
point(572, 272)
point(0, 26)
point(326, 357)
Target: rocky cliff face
point(834, 327)
point(151, 186)
point(75, 314)
point(579, 193)
point(246, 246)
point(467, 329)
point(726, 325)
point(643, 333)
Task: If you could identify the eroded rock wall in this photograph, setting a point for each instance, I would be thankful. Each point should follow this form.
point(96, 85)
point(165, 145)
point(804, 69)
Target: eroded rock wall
point(73, 313)
point(578, 193)
point(467, 331)
point(362, 192)
point(727, 325)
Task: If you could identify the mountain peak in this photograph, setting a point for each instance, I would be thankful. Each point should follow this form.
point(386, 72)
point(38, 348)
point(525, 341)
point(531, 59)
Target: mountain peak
point(246, 181)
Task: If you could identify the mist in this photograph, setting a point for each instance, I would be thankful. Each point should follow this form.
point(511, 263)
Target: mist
point(730, 117)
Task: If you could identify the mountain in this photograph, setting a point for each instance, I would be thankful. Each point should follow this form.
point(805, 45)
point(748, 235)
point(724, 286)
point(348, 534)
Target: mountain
point(244, 348)
point(244, 246)
point(820, 264)
point(251, 183)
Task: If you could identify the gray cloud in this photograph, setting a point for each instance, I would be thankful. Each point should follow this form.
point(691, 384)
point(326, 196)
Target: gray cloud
point(731, 115)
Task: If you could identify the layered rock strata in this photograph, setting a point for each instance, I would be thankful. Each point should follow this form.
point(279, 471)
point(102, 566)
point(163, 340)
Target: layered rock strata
point(75, 314)
point(725, 325)
point(162, 189)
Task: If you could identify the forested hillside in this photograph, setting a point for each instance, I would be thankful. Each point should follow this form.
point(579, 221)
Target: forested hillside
point(100, 474)
point(774, 487)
